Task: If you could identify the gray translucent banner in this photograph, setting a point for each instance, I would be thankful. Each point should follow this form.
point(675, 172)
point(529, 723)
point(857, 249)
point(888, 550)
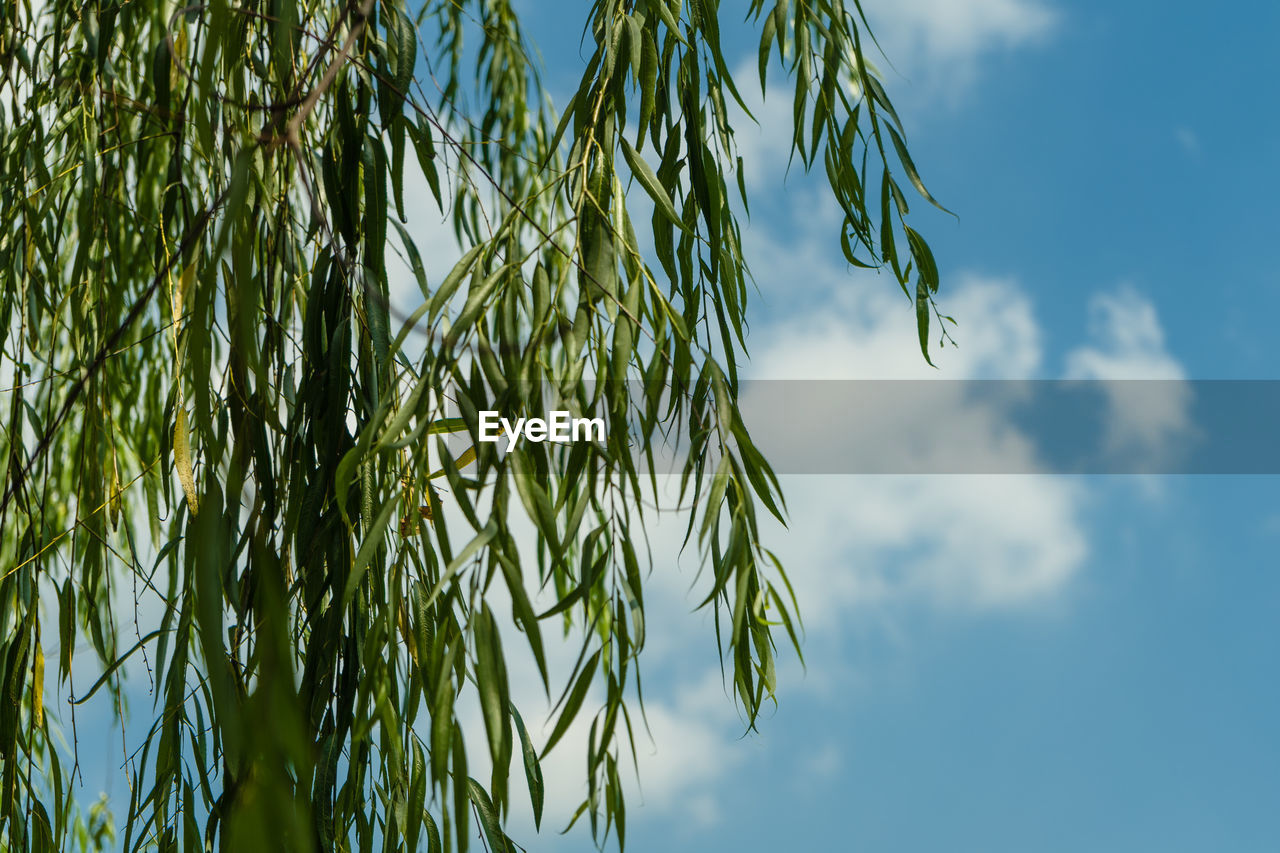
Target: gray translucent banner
point(1016, 427)
point(1005, 426)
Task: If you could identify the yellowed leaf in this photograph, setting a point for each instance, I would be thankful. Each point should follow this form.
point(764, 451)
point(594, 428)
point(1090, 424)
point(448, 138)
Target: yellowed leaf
point(468, 456)
point(37, 685)
point(184, 289)
point(182, 458)
point(410, 641)
point(114, 499)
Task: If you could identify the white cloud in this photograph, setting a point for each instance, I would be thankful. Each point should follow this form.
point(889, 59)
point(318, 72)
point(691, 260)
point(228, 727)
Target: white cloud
point(939, 43)
point(867, 328)
point(952, 29)
point(969, 542)
point(965, 541)
point(1147, 421)
point(1127, 341)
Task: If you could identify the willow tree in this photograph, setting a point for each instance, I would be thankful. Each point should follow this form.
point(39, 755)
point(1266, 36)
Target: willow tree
point(210, 397)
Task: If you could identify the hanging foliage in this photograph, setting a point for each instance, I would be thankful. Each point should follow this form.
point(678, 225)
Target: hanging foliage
point(211, 404)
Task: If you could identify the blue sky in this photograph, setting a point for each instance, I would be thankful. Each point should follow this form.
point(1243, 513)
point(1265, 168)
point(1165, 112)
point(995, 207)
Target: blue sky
point(1017, 663)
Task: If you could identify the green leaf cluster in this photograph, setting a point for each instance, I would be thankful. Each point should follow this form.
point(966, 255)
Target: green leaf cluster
point(213, 405)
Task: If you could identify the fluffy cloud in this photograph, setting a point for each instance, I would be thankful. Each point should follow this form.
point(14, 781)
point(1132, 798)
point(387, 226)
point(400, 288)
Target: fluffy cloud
point(1147, 420)
point(963, 541)
point(968, 541)
point(939, 43)
point(865, 327)
point(1126, 341)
